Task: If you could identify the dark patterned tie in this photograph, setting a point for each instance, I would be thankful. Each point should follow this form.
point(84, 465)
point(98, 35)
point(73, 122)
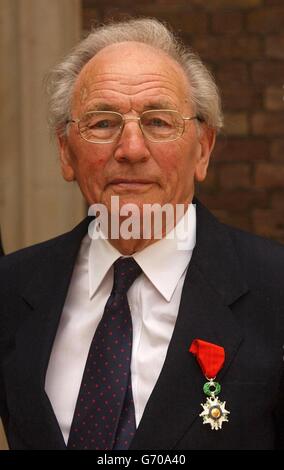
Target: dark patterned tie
point(104, 417)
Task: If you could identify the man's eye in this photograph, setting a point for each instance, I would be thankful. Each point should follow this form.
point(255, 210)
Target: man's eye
point(157, 122)
point(104, 124)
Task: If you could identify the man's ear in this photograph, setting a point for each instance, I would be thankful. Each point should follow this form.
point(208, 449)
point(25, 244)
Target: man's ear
point(65, 158)
point(207, 141)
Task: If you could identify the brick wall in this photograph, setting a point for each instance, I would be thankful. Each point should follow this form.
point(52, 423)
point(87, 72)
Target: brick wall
point(242, 41)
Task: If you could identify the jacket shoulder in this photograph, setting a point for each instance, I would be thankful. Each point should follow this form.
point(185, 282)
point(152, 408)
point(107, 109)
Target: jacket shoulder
point(20, 264)
point(27, 254)
point(255, 244)
point(259, 257)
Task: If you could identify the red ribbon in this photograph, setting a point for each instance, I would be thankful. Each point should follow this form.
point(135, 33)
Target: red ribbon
point(210, 357)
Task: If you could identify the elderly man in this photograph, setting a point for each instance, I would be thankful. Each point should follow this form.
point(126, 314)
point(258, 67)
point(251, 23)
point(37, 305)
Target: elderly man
point(134, 341)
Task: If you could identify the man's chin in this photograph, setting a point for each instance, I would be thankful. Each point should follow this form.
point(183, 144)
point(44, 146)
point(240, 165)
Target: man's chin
point(122, 202)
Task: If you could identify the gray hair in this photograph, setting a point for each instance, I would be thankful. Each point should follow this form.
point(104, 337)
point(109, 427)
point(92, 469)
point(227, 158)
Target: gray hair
point(60, 81)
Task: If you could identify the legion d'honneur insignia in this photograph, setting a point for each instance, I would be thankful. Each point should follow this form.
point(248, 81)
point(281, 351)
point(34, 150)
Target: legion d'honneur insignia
point(211, 358)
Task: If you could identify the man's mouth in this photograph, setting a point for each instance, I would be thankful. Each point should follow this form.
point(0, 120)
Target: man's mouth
point(130, 184)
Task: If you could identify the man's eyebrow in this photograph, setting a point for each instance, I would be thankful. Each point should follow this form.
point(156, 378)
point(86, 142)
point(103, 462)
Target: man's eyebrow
point(158, 105)
point(103, 106)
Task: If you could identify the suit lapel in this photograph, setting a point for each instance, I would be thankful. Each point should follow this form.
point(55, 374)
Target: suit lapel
point(213, 282)
point(43, 299)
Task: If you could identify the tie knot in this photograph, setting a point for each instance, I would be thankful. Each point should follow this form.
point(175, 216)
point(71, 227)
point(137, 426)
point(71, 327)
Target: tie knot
point(126, 270)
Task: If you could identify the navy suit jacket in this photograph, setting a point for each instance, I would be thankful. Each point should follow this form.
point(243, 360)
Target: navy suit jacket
point(233, 296)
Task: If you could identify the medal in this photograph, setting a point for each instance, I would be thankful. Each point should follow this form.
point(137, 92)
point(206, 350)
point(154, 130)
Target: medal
point(214, 411)
point(211, 358)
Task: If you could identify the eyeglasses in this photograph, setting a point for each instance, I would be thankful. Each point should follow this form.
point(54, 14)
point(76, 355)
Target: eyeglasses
point(159, 125)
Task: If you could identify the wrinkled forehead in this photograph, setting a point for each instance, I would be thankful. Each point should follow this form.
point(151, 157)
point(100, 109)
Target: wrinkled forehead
point(127, 65)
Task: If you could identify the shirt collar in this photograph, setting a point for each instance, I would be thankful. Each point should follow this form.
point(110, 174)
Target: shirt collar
point(163, 262)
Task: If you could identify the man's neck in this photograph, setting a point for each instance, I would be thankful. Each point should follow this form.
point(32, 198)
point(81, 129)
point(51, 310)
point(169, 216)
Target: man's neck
point(129, 247)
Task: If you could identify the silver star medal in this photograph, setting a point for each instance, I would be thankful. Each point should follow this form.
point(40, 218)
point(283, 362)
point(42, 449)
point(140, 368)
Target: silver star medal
point(214, 411)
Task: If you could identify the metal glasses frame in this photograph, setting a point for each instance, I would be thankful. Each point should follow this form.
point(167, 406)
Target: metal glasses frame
point(134, 118)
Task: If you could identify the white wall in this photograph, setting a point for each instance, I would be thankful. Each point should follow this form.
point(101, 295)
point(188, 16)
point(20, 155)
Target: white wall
point(35, 202)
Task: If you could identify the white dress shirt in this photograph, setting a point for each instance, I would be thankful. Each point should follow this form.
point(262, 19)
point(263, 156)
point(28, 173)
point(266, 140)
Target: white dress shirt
point(154, 300)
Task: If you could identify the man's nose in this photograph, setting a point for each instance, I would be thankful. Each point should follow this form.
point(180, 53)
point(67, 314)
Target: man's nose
point(132, 145)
